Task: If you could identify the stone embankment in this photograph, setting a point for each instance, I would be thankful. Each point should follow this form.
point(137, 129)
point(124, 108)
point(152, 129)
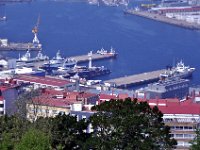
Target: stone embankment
point(162, 18)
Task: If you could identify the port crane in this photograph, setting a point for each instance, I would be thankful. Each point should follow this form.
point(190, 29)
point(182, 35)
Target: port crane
point(36, 41)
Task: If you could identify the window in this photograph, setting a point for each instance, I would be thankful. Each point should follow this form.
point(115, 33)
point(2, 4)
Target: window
point(179, 135)
point(189, 136)
point(171, 135)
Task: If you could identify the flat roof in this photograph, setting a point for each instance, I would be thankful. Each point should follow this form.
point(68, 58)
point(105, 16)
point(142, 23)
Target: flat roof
point(43, 80)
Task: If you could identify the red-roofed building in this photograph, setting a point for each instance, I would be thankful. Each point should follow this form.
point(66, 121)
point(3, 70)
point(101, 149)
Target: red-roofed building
point(52, 102)
point(182, 117)
point(45, 82)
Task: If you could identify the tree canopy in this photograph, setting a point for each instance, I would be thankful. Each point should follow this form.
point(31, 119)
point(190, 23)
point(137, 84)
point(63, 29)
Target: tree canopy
point(117, 124)
point(127, 124)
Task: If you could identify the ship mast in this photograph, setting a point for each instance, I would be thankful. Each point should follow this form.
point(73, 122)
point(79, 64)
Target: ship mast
point(36, 41)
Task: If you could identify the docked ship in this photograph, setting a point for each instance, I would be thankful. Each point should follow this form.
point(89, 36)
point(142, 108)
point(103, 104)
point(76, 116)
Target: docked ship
point(22, 71)
point(29, 71)
point(180, 71)
point(58, 62)
point(112, 52)
point(27, 57)
point(88, 72)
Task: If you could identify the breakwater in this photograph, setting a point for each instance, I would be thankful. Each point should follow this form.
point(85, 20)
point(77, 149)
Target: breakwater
point(162, 18)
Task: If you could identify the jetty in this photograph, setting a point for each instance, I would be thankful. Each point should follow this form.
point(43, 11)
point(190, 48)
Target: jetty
point(137, 79)
point(162, 18)
point(85, 58)
point(20, 47)
point(81, 58)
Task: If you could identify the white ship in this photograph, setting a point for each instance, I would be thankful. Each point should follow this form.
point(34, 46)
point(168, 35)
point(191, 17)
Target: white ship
point(180, 71)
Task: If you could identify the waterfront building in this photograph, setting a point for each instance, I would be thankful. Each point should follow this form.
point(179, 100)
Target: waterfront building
point(182, 118)
point(176, 88)
point(51, 102)
point(164, 10)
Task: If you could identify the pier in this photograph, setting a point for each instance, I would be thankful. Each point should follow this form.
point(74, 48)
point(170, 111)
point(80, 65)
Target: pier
point(137, 79)
point(162, 18)
point(85, 58)
point(20, 47)
point(81, 58)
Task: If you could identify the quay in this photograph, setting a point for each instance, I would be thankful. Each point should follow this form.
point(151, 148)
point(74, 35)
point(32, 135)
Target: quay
point(20, 47)
point(162, 18)
point(85, 58)
point(137, 79)
point(81, 58)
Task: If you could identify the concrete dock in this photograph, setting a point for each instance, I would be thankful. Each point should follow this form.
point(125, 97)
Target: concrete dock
point(82, 58)
point(20, 47)
point(137, 79)
point(162, 18)
point(85, 58)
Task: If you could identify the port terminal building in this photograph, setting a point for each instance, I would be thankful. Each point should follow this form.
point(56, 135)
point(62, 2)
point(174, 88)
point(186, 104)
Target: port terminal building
point(176, 88)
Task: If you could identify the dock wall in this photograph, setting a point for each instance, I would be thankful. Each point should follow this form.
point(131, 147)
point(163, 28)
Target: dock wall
point(162, 18)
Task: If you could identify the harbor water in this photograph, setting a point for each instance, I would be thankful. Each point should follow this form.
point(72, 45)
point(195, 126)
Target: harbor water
point(75, 28)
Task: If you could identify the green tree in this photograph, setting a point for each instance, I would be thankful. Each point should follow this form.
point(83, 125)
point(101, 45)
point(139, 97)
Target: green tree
point(196, 142)
point(11, 130)
point(33, 139)
point(68, 133)
point(6, 142)
point(127, 124)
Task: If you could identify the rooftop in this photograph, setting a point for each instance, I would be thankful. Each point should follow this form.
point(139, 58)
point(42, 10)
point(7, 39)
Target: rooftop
point(50, 97)
point(43, 80)
point(175, 106)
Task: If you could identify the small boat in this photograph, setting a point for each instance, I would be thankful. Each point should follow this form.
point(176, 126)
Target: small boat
point(54, 63)
point(29, 71)
point(3, 18)
point(180, 71)
point(59, 62)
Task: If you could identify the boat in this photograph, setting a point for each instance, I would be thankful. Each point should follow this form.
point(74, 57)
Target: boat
point(89, 73)
point(105, 52)
point(180, 71)
point(59, 64)
point(58, 59)
point(27, 57)
point(29, 71)
point(3, 18)
point(69, 63)
point(54, 63)
point(93, 2)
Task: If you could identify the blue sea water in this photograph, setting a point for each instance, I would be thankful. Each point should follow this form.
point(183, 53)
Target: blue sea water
point(76, 28)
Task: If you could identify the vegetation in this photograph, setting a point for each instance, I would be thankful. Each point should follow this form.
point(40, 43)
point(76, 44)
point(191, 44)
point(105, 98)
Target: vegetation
point(117, 124)
point(196, 142)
